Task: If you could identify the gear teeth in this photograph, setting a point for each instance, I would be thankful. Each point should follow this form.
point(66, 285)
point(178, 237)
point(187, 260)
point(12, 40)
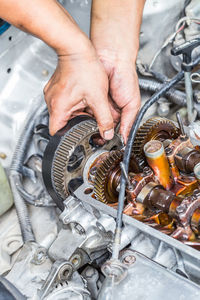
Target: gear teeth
point(111, 160)
point(150, 130)
point(66, 147)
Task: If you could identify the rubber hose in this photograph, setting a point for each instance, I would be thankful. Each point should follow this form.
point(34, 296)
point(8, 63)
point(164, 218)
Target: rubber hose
point(16, 168)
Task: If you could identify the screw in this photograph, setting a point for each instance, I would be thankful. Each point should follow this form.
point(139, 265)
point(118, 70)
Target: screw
point(129, 259)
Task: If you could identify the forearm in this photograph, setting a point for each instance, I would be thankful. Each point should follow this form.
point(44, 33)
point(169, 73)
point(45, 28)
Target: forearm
point(115, 25)
point(48, 21)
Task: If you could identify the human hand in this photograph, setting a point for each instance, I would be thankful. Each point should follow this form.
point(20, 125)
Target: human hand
point(123, 89)
point(79, 82)
point(115, 27)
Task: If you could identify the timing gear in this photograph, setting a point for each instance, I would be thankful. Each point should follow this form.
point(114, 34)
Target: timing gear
point(67, 153)
point(154, 129)
point(107, 172)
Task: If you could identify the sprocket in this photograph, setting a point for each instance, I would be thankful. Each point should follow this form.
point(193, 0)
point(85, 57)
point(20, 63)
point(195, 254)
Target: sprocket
point(107, 178)
point(153, 129)
point(67, 153)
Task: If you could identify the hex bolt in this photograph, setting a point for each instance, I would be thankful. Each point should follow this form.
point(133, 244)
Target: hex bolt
point(129, 259)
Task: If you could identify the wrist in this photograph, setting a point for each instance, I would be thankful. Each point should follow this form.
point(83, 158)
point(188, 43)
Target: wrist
point(77, 45)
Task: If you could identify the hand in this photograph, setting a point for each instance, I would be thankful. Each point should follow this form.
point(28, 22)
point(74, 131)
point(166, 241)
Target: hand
point(123, 89)
point(79, 82)
point(115, 27)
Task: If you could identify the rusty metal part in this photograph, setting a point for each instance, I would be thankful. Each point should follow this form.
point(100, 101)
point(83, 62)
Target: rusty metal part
point(187, 159)
point(157, 160)
point(159, 198)
point(189, 217)
point(138, 181)
point(185, 185)
point(173, 149)
point(108, 177)
point(146, 190)
point(153, 129)
point(72, 153)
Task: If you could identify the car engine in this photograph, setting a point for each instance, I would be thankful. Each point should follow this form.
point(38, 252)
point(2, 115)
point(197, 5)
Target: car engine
point(103, 220)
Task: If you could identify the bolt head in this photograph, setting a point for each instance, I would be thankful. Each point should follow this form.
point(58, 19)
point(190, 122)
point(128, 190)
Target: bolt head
point(168, 151)
point(129, 259)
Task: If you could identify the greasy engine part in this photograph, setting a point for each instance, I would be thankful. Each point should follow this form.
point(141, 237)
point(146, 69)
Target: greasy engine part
point(157, 160)
point(66, 154)
point(153, 129)
point(187, 159)
point(160, 193)
point(107, 178)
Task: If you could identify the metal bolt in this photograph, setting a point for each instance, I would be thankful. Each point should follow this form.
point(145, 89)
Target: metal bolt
point(180, 209)
point(93, 171)
point(45, 72)
point(147, 171)
point(168, 150)
point(196, 193)
point(90, 272)
point(3, 155)
point(129, 259)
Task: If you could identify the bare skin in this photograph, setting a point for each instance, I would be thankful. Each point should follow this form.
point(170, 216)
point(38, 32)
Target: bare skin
point(115, 28)
point(87, 72)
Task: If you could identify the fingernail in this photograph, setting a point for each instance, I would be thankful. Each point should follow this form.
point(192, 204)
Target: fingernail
point(108, 134)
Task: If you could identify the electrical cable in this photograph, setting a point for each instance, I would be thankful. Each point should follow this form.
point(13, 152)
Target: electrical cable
point(16, 169)
point(179, 27)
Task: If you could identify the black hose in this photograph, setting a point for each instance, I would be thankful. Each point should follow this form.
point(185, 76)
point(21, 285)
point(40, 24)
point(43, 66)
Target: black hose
point(127, 154)
point(16, 171)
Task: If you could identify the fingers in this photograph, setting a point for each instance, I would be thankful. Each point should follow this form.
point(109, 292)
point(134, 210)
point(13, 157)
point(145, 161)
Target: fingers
point(60, 114)
point(115, 111)
point(125, 93)
point(104, 118)
point(128, 115)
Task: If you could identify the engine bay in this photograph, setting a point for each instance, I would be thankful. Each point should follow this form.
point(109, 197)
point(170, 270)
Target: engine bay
point(61, 239)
